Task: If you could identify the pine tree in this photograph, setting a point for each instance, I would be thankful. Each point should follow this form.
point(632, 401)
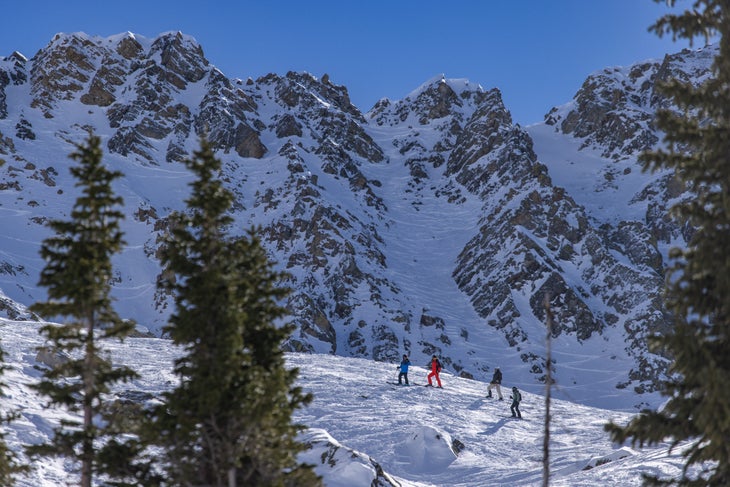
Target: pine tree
point(9, 467)
point(698, 290)
point(228, 423)
point(78, 275)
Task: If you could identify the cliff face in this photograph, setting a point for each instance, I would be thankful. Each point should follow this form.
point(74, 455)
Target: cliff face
point(431, 224)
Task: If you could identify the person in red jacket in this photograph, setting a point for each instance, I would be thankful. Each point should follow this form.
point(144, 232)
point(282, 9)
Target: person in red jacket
point(435, 369)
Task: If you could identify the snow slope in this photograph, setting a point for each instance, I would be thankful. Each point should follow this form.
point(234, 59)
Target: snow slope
point(426, 225)
point(364, 428)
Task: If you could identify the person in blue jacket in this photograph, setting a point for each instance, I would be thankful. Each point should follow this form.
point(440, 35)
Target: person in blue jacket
point(404, 370)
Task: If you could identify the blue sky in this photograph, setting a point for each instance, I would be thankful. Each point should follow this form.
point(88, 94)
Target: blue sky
point(537, 52)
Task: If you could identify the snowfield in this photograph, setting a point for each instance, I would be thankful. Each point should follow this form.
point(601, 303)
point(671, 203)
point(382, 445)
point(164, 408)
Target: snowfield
point(367, 431)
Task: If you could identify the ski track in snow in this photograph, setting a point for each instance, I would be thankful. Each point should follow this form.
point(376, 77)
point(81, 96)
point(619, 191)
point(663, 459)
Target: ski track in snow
point(423, 243)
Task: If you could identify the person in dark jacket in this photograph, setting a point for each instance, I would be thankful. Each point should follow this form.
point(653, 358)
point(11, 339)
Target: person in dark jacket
point(495, 383)
point(515, 407)
point(435, 369)
point(404, 370)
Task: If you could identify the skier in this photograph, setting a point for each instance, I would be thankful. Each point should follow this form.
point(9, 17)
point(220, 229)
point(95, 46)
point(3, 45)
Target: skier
point(403, 370)
point(495, 383)
point(435, 369)
point(515, 407)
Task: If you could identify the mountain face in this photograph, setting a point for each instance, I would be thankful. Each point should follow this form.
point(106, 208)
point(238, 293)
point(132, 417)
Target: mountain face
point(428, 225)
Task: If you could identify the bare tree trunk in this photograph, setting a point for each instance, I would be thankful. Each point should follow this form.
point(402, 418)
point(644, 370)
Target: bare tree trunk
point(87, 444)
point(548, 387)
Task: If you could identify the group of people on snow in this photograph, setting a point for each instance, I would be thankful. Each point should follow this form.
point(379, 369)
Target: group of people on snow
point(495, 383)
point(435, 366)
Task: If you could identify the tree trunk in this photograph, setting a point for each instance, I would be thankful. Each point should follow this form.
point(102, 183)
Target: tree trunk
point(548, 387)
point(87, 445)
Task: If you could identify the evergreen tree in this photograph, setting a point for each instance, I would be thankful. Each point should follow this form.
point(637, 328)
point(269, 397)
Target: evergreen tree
point(698, 149)
point(9, 467)
point(78, 275)
point(228, 423)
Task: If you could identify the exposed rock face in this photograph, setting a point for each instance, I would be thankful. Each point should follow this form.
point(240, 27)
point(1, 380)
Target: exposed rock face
point(10, 309)
point(152, 78)
point(428, 225)
point(614, 109)
point(12, 73)
point(222, 115)
point(61, 71)
point(612, 115)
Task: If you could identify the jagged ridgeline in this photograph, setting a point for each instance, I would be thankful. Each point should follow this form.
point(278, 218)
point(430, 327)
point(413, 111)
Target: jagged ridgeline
point(427, 225)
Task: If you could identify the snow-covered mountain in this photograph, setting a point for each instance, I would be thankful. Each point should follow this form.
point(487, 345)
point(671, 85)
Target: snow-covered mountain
point(431, 224)
point(365, 432)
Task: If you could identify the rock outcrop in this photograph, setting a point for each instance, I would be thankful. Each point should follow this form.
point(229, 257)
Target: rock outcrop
point(428, 225)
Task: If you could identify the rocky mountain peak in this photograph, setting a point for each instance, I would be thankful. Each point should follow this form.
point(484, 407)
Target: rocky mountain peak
point(181, 57)
point(62, 69)
point(437, 98)
point(309, 107)
point(309, 94)
point(129, 47)
point(614, 107)
point(431, 224)
point(436, 101)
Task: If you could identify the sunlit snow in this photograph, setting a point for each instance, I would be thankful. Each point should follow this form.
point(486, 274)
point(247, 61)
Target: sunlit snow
point(360, 422)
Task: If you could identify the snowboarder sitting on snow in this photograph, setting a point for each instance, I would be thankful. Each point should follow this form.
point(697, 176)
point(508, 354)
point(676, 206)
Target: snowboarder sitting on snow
point(495, 382)
point(403, 370)
point(435, 369)
point(515, 407)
